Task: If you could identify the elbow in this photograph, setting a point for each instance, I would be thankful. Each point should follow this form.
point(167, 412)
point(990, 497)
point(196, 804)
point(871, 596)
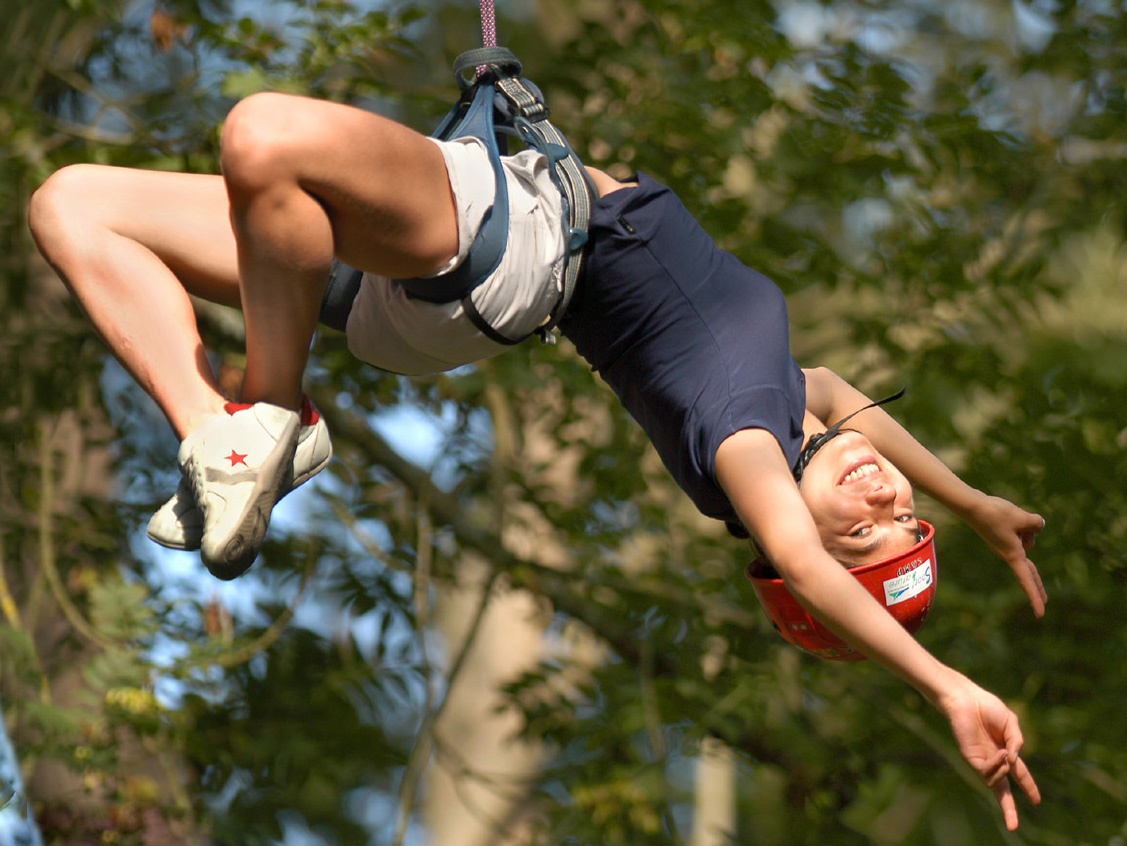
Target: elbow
point(803, 571)
point(799, 580)
point(821, 386)
point(821, 377)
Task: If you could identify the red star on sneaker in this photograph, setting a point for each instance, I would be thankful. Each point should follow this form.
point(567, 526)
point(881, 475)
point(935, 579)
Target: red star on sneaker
point(236, 458)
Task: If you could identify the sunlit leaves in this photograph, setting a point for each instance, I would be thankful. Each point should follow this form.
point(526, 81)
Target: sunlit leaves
point(942, 200)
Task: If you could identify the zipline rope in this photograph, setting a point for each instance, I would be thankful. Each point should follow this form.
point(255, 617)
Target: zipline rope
point(488, 30)
point(488, 24)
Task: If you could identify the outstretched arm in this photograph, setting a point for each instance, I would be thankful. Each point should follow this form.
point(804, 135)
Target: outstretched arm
point(1007, 529)
point(753, 472)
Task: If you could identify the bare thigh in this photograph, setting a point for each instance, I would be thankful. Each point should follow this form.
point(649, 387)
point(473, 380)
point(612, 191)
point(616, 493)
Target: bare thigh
point(182, 218)
point(382, 185)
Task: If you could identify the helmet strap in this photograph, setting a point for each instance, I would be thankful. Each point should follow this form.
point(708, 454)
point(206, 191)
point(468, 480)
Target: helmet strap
point(816, 442)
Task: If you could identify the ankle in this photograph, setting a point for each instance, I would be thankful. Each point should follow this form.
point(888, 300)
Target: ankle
point(186, 422)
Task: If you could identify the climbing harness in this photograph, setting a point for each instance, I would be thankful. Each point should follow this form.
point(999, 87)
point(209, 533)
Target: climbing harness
point(496, 103)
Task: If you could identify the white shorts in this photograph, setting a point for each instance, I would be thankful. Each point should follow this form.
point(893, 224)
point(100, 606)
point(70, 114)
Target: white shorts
point(389, 330)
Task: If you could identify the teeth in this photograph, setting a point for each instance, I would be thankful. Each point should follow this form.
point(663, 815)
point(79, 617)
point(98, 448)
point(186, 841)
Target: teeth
point(860, 473)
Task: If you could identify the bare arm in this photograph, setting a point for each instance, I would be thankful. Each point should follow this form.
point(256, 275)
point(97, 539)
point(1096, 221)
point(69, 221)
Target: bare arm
point(1007, 529)
point(753, 472)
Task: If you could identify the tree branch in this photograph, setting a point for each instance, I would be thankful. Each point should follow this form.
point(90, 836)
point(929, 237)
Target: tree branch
point(566, 590)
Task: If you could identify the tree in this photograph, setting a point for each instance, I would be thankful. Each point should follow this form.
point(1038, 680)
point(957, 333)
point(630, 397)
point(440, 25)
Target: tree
point(59, 526)
point(937, 188)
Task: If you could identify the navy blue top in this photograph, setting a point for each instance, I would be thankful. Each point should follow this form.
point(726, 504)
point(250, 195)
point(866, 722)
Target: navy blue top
point(694, 343)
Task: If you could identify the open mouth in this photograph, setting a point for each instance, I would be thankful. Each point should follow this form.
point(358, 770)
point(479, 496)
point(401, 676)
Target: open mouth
point(860, 470)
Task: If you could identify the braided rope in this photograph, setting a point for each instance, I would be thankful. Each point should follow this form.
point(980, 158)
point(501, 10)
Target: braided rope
point(488, 24)
point(488, 29)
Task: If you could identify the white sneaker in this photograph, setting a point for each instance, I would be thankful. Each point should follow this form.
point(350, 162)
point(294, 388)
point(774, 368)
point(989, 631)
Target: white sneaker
point(178, 524)
point(237, 464)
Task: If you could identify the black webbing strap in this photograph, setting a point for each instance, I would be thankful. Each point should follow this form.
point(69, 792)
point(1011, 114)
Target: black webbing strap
point(341, 290)
point(816, 442)
point(813, 444)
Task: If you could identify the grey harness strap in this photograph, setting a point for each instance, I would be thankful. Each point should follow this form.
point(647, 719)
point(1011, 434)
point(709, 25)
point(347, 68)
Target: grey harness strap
point(568, 174)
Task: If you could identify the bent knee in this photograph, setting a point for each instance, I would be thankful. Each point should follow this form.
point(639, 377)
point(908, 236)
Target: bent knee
point(263, 138)
point(61, 204)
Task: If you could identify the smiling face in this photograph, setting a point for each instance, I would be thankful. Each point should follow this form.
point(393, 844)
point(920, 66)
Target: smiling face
point(861, 504)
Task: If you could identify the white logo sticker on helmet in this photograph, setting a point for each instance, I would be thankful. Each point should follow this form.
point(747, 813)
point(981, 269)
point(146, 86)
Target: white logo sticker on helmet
point(908, 585)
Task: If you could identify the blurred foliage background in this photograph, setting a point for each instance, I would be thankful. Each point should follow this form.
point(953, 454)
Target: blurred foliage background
point(494, 620)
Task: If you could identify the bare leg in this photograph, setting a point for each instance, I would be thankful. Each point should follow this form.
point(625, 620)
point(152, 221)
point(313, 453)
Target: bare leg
point(302, 181)
point(131, 245)
point(308, 180)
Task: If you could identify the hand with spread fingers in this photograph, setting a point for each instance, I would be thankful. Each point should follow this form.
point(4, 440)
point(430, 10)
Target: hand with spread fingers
point(990, 739)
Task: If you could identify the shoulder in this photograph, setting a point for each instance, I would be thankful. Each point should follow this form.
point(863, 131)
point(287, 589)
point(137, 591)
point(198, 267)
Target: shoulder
point(753, 472)
point(605, 183)
point(753, 452)
point(821, 382)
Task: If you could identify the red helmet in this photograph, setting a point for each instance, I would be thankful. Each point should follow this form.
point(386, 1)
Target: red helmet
point(903, 584)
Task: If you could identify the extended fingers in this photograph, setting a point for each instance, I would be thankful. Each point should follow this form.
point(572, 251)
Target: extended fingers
point(1034, 588)
point(1004, 792)
point(1005, 798)
point(1029, 578)
point(1025, 781)
point(1042, 594)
